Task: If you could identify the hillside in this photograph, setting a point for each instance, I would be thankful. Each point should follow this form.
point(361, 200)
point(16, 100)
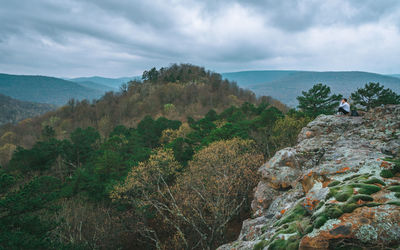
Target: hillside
point(98, 169)
point(178, 92)
point(338, 188)
point(249, 78)
point(12, 111)
point(396, 75)
point(96, 86)
point(113, 83)
point(44, 89)
point(287, 85)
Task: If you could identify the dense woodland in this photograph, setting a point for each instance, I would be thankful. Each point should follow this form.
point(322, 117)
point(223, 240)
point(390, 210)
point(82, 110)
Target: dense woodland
point(167, 163)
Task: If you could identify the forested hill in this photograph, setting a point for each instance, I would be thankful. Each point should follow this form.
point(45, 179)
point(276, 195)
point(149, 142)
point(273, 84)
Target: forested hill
point(287, 85)
point(44, 89)
point(12, 111)
point(177, 92)
point(127, 171)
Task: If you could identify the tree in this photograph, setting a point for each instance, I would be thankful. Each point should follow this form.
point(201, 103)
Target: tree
point(216, 189)
point(151, 75)
point(318, 100)
point(197, 206)
point(23, 209)
point(374, 95)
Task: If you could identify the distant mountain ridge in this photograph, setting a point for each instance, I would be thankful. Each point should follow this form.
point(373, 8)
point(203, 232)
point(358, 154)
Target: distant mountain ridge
point(113, 83)
point(12, 111)
point(44, 89)
point(286, 85)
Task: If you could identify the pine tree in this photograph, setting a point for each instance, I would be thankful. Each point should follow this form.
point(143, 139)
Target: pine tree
point(318, 100)
point(374, 95)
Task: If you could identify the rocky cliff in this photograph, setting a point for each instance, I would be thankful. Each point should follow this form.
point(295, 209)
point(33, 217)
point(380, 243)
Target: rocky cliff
point(338, 188)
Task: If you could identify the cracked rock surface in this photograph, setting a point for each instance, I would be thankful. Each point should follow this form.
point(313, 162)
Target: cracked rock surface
point(339, 187)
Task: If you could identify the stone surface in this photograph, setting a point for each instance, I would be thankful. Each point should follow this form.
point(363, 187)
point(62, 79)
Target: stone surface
point(327, 192)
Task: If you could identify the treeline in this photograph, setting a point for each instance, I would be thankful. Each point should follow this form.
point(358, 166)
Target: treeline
point(319, 100)
point(161, 184)
point(176, 92)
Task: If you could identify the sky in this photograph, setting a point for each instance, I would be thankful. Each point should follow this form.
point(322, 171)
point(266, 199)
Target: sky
point(115, 38)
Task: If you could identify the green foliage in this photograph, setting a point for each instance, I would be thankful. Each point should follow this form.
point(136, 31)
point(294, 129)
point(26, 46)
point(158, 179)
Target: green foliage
point(21, 226)
point(374, 95)
point(89, 167)
point(40, 157)
point(84, 142)
point(318, 100)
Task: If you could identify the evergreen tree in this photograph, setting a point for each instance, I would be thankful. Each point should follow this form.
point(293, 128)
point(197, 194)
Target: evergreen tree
point(374, 95)
point(318, 100)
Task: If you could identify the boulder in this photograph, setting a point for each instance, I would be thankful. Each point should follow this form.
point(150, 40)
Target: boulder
point(334, 190)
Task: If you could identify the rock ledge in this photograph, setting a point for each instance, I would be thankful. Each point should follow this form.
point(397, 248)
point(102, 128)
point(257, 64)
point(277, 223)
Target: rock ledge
point(335, 189)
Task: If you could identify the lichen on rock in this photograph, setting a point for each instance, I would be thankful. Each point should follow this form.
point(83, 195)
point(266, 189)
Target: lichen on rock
point(337, 188)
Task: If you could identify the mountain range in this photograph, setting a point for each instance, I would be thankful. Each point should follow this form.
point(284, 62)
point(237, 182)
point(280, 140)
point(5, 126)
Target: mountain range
point(103, 82)
point(285, 85)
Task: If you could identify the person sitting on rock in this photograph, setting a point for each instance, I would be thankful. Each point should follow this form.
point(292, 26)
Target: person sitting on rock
point(344, 107)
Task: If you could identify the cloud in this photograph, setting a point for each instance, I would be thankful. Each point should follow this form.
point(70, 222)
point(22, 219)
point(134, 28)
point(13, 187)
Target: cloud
point(116, 38)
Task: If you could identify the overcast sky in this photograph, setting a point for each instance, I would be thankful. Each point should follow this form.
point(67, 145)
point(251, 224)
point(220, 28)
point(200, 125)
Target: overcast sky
point(69, 38)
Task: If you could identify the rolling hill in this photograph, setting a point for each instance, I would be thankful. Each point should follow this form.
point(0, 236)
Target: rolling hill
point(396, 75)
point(287, 85)
point(97, 86)
point(12, 111)
point(45, 89)
point(113, 83)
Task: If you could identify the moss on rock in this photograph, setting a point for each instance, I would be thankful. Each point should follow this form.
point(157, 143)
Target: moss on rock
point(290, 244)
point(344, 193)
point(375, 180)
point(366, 188)
point(334, 212)
point(349, 207)
point(333, 183)
point(297, 213)
point(320, 221)
point(394, 188)
point(386, 173)
point(362, 197)
point(260, 245)
point(397, 203)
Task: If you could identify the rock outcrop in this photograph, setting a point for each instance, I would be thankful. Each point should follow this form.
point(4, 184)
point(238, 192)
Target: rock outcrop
point(338, 188)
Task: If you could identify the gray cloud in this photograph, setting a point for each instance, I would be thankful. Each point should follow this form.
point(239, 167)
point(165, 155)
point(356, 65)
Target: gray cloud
point(116, 38)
